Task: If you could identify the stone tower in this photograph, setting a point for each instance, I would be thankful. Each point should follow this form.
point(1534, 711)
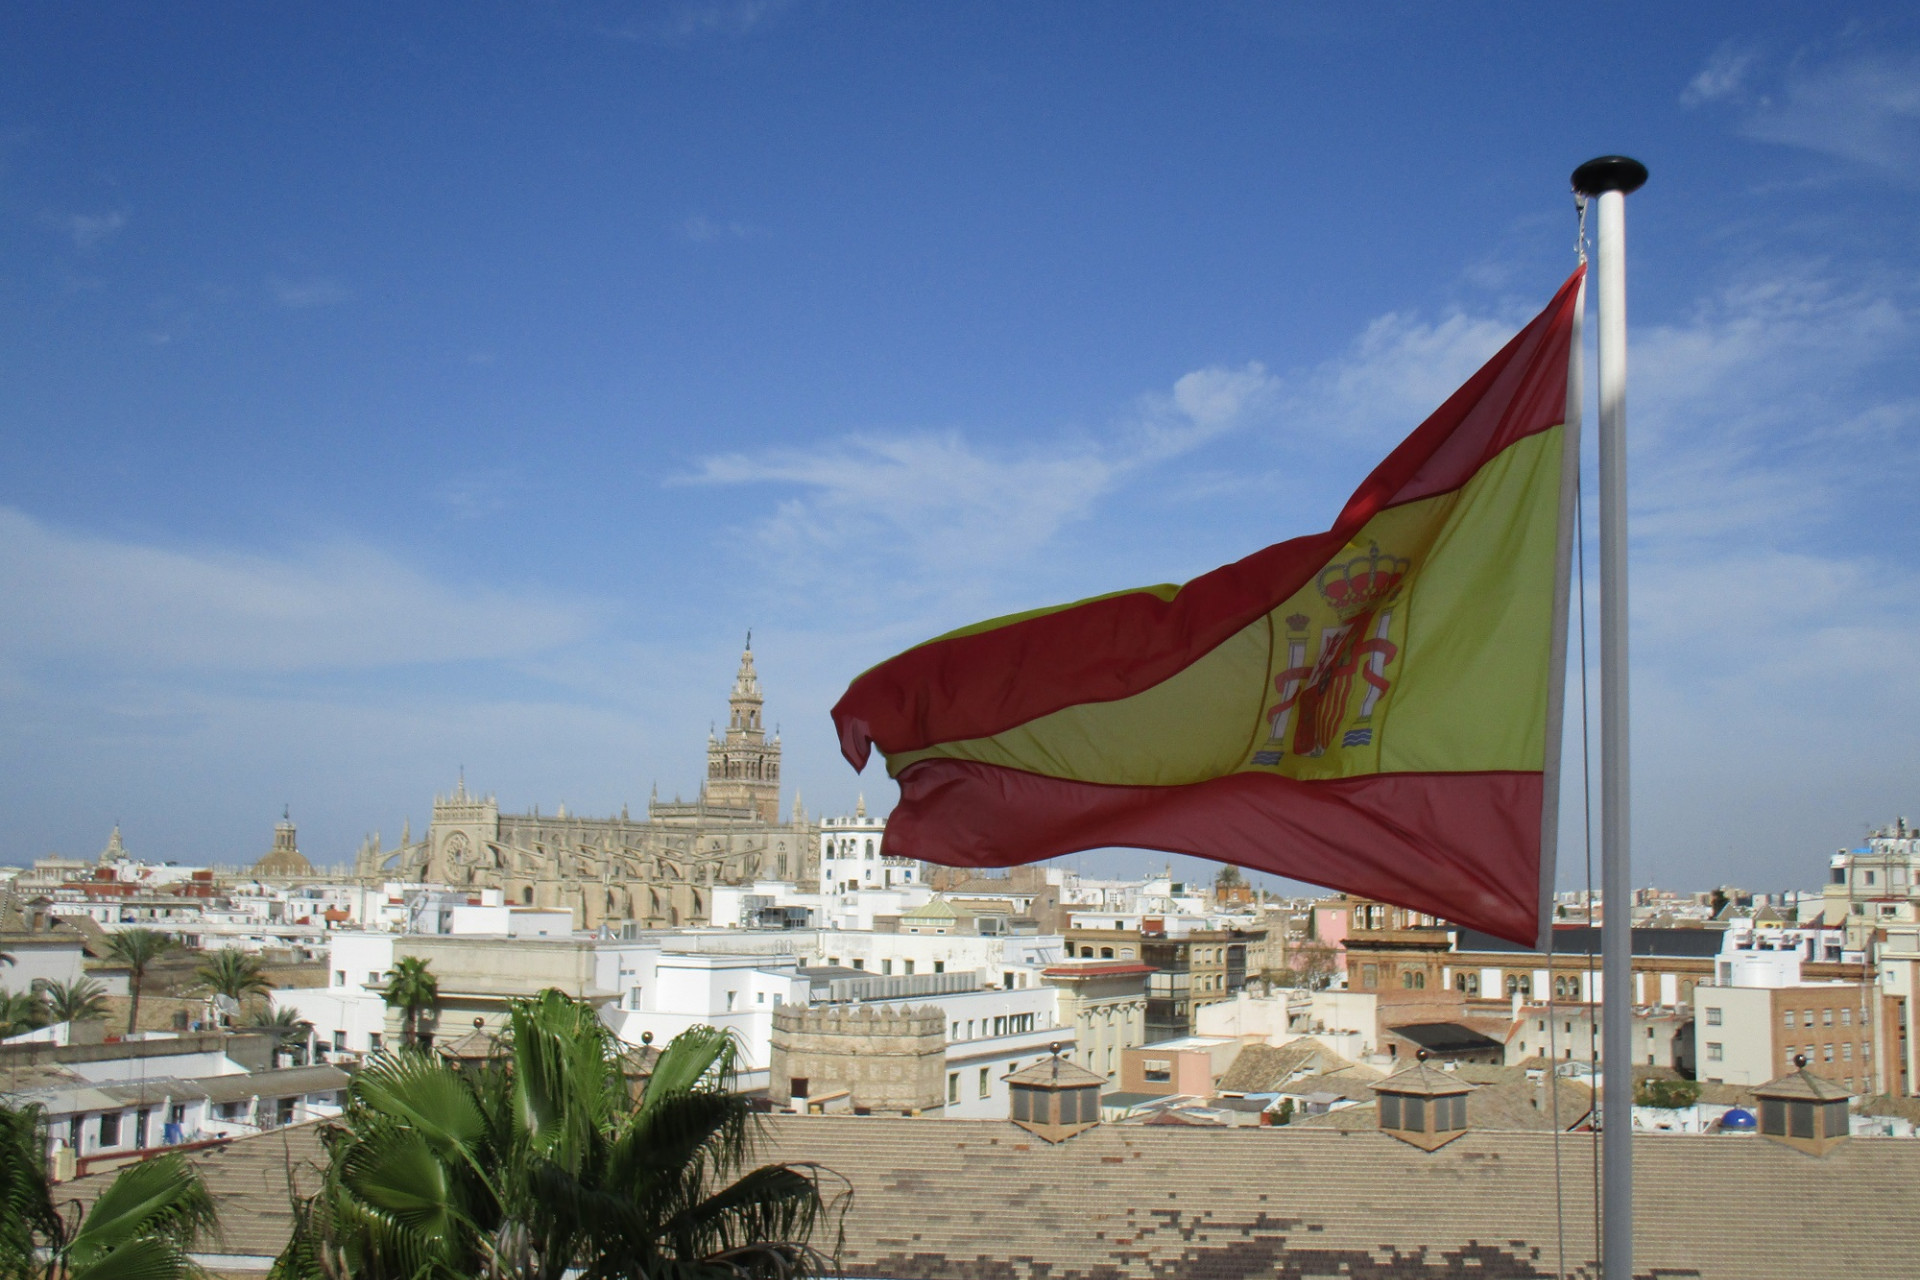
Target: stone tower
point(285, 858)
point(743, 768)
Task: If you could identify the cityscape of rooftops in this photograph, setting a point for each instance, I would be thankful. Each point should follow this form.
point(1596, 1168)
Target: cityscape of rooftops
point(585, 691)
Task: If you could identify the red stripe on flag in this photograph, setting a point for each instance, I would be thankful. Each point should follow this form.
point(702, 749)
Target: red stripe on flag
point(977, 685)
point(1464, 846)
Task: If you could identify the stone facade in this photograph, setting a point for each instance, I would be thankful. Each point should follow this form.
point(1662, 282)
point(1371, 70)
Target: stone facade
point(285, 858)
point(890, 1059)
point(656, 871)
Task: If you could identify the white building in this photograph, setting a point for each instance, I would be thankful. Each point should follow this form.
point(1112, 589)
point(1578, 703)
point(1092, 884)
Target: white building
point(663, 993)
point(850, 856)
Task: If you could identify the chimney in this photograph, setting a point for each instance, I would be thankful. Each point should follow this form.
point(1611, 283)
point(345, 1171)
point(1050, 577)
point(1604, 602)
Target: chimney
point(1422, 1106)
point(1054, 1098)
point(1804, 1111)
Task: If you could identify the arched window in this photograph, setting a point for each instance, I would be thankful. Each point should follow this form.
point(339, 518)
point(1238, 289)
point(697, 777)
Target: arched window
point(526, 896)
point(1467, 984)
point(1519, 983)
point(1106, 953)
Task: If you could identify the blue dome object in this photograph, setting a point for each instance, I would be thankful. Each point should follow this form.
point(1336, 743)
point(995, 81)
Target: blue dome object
point(1738, 1118)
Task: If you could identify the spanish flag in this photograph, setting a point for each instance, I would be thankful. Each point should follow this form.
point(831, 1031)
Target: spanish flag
point(1375, 708)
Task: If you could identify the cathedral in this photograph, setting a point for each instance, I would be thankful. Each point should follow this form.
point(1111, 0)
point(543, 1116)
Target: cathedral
point(657, 871)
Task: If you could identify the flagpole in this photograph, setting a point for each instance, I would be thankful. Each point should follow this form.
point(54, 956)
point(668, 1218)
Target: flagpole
point(1609, 180)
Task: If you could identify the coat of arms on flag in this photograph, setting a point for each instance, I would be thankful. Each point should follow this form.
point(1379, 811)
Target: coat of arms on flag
point(1374, 708)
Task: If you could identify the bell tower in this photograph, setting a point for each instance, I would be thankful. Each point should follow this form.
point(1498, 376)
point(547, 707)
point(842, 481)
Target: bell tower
point(743, 767)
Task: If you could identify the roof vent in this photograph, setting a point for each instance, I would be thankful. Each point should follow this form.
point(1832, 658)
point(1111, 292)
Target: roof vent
point(1804, 1111)
point(1055, 1098)
point(1422, 1106)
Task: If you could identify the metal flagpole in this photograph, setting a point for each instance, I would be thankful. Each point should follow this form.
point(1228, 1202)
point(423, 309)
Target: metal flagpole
point(1610, 179)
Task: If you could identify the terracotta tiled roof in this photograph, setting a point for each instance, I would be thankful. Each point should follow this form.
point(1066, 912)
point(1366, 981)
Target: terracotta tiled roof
point(1262, 1068)
point(1803, 1084)
point(249, 1181)
point(956, 1199)
point(944, 1199)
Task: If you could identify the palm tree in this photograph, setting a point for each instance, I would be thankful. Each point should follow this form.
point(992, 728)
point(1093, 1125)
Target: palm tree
point(81, 1000)
point(541, 1162)
point(285, 1024)
point(233, 974)
point(142, 1226)
point(137, 949)
point(21, 1011)
point(413, 990)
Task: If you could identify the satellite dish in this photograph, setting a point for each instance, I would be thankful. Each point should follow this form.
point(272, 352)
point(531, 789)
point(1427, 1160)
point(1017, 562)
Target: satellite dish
point(227, 1005)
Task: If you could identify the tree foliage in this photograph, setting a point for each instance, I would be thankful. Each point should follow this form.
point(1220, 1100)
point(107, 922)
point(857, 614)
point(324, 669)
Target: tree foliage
point(138, 949)
point(21, 1011)
point(413, 990)
point(141, 1227)
point(81, 1000)
point(540, 1164)
point(233, 974)
point(1668, 1095)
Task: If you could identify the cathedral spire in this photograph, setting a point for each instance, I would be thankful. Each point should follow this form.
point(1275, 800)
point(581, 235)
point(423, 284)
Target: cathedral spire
point(743, 767)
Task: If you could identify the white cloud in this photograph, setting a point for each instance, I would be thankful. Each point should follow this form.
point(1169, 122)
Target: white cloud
point(701, 229)
point(1840, 99)
point(316, 291)
point(691, 20)
point(1723, 76)
point(1393, 375)
point(91, 230)
point(926, 513)
point(143, 608)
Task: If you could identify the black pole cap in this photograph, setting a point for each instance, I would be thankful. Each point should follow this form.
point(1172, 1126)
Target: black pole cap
point(1610, 173)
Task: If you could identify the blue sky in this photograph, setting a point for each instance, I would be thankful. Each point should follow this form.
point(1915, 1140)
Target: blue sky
point(386, 389)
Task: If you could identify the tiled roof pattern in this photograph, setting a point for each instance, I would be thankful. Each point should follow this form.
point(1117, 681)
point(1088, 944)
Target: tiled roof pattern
point(1423, 1081)
point(1262, 1068)
point(948, 1199)
point(953, 1199)
point(248, 1179)
point(1803, 1084)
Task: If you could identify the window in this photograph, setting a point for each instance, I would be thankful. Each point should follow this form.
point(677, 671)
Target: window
point(886, 966)
point(1716, 1052)
point(759, 997)
point(860, 964)
point(1369, 975)
point(1158, 1070)
point(373, 977)
point(110, 1129)
point(1649, 1033)
point(731, 997)
point(1826, 1017)
point(969, 1028)
point(340, 1041)
point(1006, 980)
point(1713, 1016)
point(1846, 1017)
point(1808, 1020)
point(140, 1120)
point(283, 1112)
point(1106, 953)
point(939, 966)
point(373, 1041)
point(1467, 983)
point(1846, 1052)
point(1786, 1019)
point(953, 1088)
point(986, 1083)
point(339, 977)
point(1826, 1053)
point(909, 966)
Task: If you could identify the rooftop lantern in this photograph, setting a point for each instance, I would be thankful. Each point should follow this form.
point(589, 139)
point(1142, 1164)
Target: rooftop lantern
point(1803, 1110)
point(1055, 1098)
point(1422, 1106)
